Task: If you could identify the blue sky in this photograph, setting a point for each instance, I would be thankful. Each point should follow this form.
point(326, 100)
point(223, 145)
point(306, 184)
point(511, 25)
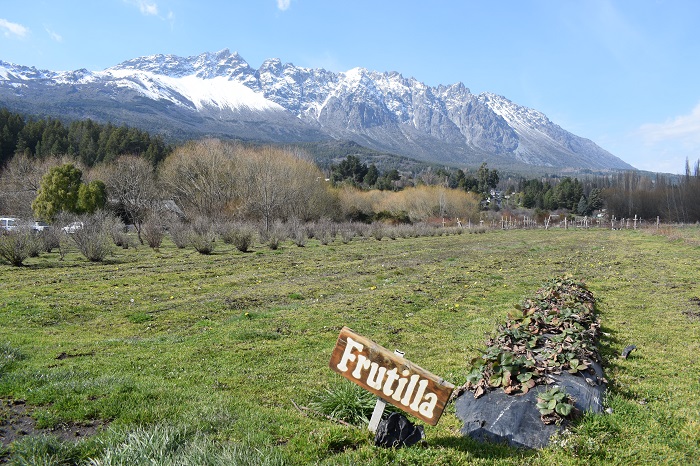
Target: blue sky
point(625, 74)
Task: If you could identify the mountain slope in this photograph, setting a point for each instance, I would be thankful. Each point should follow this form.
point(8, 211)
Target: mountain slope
point(219, 94)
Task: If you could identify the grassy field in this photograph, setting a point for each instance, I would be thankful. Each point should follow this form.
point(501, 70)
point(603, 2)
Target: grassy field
point(180, 354)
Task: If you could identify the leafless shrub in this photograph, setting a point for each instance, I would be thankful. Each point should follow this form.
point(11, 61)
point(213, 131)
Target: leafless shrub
point(51, 238)
point(425, 229)
point(179, 233)
point(377, 231)
point(405, 231)
point(202, 236)
point(347, 233)
point(36, 245)
point(93, 238)
point(153, 232)
point(274, 235)
point(117, 231)
point(241, 235)
point(297, 230)
point(15, 245)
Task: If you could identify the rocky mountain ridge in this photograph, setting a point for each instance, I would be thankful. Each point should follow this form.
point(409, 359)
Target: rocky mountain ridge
point(220, 94)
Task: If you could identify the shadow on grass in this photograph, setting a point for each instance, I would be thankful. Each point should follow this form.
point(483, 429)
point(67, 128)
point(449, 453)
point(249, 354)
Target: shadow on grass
point(608, 344)
point(73, 263)
point(485, 450)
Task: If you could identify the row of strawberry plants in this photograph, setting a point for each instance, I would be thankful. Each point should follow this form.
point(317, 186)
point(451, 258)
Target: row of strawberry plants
point(554, 331)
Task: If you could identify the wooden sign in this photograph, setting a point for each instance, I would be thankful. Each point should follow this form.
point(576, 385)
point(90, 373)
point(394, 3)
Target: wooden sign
point(390, 376)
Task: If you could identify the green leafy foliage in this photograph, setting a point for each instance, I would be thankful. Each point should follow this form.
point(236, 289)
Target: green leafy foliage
point(62, 190)
point(58, 192)
point(554, 404)
point(91, 197)
point(85, 140)
point(554, 331)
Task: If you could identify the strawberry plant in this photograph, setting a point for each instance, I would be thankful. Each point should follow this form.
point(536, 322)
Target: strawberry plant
point(554, 405)
point(552, 332)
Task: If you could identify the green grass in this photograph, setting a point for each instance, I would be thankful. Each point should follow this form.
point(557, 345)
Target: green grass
point(217, 347)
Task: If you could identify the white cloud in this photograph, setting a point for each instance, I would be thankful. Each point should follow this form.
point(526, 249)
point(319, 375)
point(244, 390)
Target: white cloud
point(146, 7)
point(283, 4)
point(684, 128)
point(664, 147)
point(171, 18)
point(13, 29)
point(54, 35)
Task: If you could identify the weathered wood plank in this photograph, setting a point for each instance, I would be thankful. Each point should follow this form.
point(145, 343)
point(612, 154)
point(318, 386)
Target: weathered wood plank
point(390, 376)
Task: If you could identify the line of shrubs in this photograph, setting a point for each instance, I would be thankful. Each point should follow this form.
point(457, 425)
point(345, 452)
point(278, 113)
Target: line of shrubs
point(95, 235)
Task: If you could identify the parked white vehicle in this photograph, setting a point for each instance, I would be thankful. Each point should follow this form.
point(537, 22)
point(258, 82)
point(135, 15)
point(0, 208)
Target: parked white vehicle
point(39, 226)
point(73, 227)
point(8, 223)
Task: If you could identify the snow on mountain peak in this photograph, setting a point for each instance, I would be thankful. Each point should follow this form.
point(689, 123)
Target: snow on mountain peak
point(383, 110)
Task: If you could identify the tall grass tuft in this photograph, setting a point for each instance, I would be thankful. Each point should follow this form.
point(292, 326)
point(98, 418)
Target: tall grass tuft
point(47, 450)
point(8, 356)
point(347, 402)
point(173, 446)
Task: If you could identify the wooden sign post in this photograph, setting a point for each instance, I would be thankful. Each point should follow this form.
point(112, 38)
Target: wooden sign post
point(380, 406)
point(390, 376)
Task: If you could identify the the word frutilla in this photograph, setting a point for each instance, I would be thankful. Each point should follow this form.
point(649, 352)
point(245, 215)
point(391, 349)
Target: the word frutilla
point(390, 376)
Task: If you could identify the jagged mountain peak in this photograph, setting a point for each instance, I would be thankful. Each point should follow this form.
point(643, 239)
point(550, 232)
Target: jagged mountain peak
point(206, 65)
point(219, 93)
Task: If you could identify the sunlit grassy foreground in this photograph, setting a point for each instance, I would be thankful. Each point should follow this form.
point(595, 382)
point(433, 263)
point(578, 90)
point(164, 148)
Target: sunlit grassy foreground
point(206, 355)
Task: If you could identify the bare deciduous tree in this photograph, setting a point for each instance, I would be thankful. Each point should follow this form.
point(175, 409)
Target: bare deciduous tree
point(278, 185)
point(131, 184)
point(200, 177)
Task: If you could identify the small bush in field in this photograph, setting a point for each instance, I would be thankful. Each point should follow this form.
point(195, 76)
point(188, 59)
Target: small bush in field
point(202, 236)
point(93, 238)
point(377, 231)
point(179, 234)
point(116, 229)
point(240, 235)
point(325, 230)
point(300, 237)
point(274, 236)
point(51, 238)
point(153, 232)
point(16, 245)
point(36, 245)
point(203, 244)
point(346, 235)
point(298, 232)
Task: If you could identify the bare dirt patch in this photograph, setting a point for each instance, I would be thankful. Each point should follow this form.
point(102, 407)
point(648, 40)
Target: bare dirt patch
point(16, 422)
point(693, 314)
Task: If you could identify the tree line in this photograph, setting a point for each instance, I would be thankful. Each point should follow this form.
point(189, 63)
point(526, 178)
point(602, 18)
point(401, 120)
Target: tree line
point(136, 174)
point(670, 198)
point(85, 140)
point(354, 172)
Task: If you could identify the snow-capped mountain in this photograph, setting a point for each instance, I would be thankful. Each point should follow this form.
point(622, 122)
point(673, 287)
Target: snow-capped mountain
point(219, 94)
